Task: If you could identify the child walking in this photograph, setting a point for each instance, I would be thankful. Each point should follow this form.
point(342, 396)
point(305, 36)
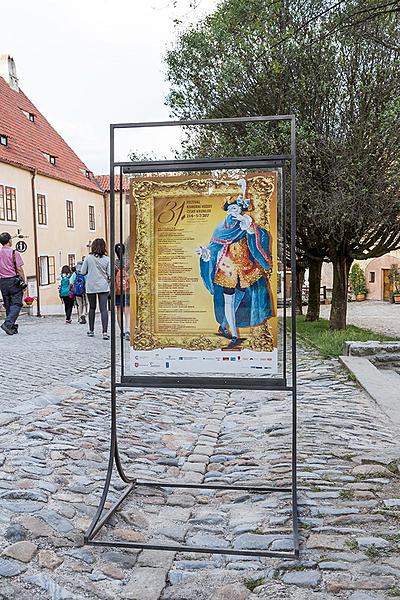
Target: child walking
point(78, 283)
point(65, 292)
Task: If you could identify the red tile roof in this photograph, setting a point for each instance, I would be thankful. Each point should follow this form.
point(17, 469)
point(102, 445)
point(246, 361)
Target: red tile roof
point(104, 181)
point(28, 141)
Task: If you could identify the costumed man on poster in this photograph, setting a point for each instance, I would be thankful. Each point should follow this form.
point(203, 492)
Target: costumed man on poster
point(233, 268)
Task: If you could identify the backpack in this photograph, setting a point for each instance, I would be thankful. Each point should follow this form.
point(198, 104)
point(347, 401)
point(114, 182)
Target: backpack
point(65, 286)
point(79, 286)
point(125, 281)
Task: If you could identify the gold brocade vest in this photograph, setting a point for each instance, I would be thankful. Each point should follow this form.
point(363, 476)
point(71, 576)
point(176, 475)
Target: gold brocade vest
point(236, 267)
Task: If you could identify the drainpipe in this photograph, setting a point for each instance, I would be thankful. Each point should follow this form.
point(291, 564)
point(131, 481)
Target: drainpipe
point(35, 240)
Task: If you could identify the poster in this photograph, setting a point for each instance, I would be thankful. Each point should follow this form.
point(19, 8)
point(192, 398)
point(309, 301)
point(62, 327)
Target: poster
point(204, 274)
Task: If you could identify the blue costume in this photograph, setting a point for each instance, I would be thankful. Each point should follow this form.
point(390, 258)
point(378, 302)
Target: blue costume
point(238, 258)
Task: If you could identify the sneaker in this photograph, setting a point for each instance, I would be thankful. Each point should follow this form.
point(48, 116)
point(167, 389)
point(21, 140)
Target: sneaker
point(90, 333)
point(14, 328)
point(106, 336)
point(83, 320)
point(7, 329)
point(68, 321)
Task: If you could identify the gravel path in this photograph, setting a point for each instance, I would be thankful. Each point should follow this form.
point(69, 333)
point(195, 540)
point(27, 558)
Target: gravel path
point(383, 317)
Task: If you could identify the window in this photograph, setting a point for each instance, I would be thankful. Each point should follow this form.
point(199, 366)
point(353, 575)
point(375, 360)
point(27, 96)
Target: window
point(50, 157)
point(2, 205)
point(70, 213)
point(47, 270)
point(3, 140)
point(92, 219)
point(87, 174)
point(71, 260)
point(11, 204)
point(372, 277)
point(52, 269)
point(29, 115)
point(41, 209)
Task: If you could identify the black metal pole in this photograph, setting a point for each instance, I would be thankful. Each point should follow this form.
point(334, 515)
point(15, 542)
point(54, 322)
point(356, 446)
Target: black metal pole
point(122, 294)
point(284, 258)
point(293, 228)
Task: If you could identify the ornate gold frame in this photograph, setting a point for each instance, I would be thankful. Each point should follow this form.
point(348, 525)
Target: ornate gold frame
point(262, 189)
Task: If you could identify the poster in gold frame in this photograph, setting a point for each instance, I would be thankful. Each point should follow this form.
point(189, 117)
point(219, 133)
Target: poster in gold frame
point(182, 276)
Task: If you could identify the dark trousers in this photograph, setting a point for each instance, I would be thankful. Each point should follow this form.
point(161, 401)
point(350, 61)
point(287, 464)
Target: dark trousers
point(68, 306)
point(12, 298)
point(103, 305)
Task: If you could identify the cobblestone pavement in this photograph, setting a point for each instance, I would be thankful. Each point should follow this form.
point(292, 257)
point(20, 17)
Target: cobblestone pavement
point(47, 352)
point(53, 454)
point(383, 317)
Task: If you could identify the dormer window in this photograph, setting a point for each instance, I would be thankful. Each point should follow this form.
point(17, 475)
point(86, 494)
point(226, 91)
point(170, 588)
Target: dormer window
point(29, 115)
point(86, 173)
point(50, 157)
point(4, 140)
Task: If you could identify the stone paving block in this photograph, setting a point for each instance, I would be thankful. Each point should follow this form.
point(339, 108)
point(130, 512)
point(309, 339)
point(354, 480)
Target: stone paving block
point(233, 591)
point(155, 558)
point(48, 559)
point(308, 579)
point(10, 568)
point(326, 542)
point(377, 542)
point(146, 583)
point(55, 591)
point(23, 551)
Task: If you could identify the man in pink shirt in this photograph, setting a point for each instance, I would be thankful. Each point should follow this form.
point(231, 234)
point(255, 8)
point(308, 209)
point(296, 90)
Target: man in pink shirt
point(12, 283)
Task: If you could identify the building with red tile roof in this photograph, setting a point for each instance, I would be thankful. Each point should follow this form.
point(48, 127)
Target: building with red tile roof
point(104, 182)
point(49, 198)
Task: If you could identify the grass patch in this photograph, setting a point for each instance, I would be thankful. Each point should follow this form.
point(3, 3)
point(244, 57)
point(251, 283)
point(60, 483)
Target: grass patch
point(352, 544)
point(347, 494)
point(372, 552)
point(251, 584)
point(330, 343)
point(386, 512)
point(394, 592)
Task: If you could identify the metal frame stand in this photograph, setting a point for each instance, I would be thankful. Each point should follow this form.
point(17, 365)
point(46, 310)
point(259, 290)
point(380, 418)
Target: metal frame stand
point(102, 516)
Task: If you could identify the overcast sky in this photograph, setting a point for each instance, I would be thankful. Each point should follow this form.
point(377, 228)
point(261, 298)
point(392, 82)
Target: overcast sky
point(88, 63)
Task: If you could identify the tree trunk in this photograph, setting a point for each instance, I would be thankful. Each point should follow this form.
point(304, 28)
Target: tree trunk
point(314, 288)
point(341, 268)
point(300, 272)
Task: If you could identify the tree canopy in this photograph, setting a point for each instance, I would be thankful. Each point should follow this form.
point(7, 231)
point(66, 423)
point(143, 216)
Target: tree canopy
point(335, 65)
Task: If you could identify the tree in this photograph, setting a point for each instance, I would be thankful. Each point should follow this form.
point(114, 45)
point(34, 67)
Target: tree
point(318, 60)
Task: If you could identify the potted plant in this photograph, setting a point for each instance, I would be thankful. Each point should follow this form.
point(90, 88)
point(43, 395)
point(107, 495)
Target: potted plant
point(29, 300)
point(394, 278)
point(357, 283)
